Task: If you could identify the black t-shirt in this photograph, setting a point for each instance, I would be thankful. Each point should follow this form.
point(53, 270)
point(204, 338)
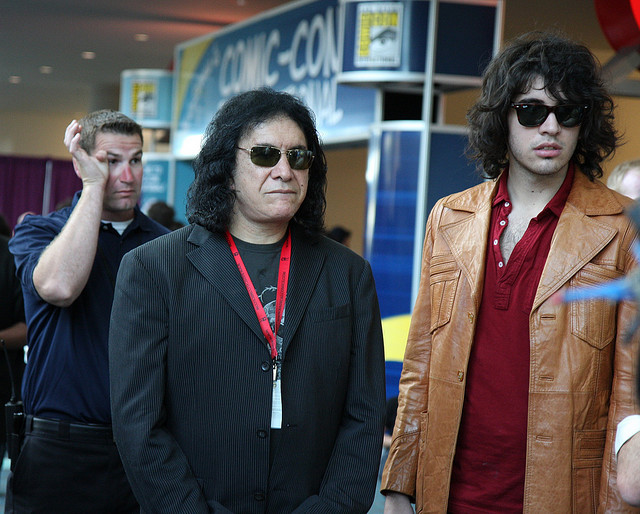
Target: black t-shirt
point(262, 263)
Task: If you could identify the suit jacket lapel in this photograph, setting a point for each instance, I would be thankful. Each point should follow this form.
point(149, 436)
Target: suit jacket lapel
point(306, 264)
point(212, 258)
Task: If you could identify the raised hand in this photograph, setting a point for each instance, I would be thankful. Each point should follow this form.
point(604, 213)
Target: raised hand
point(89, 168)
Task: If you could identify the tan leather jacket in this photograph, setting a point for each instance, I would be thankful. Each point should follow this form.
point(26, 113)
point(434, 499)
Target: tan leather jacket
point(581, 381)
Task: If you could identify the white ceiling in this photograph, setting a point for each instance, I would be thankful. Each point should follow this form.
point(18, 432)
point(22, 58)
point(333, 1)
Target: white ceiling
point(35, 33)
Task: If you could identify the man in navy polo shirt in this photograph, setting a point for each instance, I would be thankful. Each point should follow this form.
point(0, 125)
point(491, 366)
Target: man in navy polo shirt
point(67, 263)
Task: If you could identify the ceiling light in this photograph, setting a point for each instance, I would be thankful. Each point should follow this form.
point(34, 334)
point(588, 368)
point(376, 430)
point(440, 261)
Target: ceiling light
point(14, 79)
point(88, 55)
point(46, 70)
point(141, 37)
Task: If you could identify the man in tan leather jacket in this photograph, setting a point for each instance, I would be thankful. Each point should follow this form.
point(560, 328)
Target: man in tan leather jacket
point(509, 399)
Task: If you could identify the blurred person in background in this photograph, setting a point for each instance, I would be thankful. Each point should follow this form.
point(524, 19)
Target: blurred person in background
point(625, 178)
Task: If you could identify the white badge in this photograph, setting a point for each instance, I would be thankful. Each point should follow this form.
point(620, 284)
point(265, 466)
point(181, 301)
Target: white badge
point(276, 405)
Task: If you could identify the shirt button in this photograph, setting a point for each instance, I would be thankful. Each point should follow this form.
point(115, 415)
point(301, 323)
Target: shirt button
point(503, 223)
point(500, 264)
point(495, 242)
point(506, 204)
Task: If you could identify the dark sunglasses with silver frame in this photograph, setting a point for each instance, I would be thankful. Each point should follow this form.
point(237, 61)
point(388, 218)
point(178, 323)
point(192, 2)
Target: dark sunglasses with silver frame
point(534, 115)
point(268, 156)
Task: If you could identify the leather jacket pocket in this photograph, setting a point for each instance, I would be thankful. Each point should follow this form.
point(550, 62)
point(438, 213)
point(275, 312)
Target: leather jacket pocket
point(588, 449)
point(594, 320)
point(443, 283)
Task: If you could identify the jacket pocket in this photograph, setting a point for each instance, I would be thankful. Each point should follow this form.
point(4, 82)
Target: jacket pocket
point(588, 450)
point(594, 320)
point(330, 313)
point(443, 283)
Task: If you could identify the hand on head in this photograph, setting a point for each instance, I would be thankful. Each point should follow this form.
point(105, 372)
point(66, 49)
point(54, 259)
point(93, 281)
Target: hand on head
point(89, 168)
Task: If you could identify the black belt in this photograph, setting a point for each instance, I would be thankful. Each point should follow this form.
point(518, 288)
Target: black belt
point(65, 430)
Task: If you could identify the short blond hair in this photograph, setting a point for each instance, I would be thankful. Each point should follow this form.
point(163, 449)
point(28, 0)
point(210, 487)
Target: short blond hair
point(106, 120)
point(614, 181)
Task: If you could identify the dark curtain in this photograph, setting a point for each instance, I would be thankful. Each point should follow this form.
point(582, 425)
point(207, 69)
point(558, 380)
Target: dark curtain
point(23, 181)
point(64, 183)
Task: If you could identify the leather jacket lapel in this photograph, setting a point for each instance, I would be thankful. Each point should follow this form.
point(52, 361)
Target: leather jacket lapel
point(467, 236)
point(587, 202)
point(567, 254)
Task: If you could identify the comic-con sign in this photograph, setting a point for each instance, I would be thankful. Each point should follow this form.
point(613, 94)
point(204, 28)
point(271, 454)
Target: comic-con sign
point(294, 48)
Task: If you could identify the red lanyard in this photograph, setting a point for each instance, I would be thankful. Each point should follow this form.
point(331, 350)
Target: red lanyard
point(281, 295)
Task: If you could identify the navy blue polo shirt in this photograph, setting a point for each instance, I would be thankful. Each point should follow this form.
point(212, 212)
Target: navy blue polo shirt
point(67, 373)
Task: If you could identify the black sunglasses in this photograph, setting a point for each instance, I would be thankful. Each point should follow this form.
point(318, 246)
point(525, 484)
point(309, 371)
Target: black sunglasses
point(534, 115)
point(268, 156)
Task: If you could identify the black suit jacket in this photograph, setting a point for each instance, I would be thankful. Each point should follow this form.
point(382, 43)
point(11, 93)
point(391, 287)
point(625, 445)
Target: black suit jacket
point(191, 380)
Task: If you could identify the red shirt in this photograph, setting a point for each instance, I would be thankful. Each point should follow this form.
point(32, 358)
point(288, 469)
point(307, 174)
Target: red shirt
point(489, 464)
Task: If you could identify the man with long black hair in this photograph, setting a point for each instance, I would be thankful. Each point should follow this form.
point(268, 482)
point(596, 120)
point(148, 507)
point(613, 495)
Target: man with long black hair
point(247, 366)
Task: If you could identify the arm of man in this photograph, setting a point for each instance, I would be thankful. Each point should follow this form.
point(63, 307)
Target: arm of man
point(64, 267)
point(398, 503)
point(156, 467)
point(400, 471)
point(350, 479)
point(628, 473)
point(622, 399)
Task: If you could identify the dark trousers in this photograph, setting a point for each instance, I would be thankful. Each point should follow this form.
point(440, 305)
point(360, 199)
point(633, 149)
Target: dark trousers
point(65, 468)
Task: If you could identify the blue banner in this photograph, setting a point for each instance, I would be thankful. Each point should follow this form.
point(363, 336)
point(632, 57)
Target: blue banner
point(294, 48)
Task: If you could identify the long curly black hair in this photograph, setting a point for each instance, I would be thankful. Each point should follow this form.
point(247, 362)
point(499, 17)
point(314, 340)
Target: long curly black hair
point(210, 198)
point(571, 74)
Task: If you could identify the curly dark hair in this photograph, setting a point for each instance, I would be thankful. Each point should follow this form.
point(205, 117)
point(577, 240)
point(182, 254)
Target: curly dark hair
point(106, 120)
point(210, 198)
point(571, 75)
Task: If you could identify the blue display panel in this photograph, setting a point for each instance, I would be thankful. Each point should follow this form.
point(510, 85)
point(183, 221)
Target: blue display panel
point(465, 41)
point(145, 96)
point(392, 195)
point(387, 41)
point(449, 169)
point(391, 213)
point(156, 179)
point(184, 177)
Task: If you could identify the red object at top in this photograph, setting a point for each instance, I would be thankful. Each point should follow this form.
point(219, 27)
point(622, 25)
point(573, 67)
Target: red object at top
point(620, 22)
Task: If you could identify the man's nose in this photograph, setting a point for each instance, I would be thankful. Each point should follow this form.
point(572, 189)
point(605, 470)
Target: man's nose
point(126, 175)
point(550, 125)
point(282, 169)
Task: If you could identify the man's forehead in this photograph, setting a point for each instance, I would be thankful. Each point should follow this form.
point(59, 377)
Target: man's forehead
point(537, 91)
point(112, 141)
